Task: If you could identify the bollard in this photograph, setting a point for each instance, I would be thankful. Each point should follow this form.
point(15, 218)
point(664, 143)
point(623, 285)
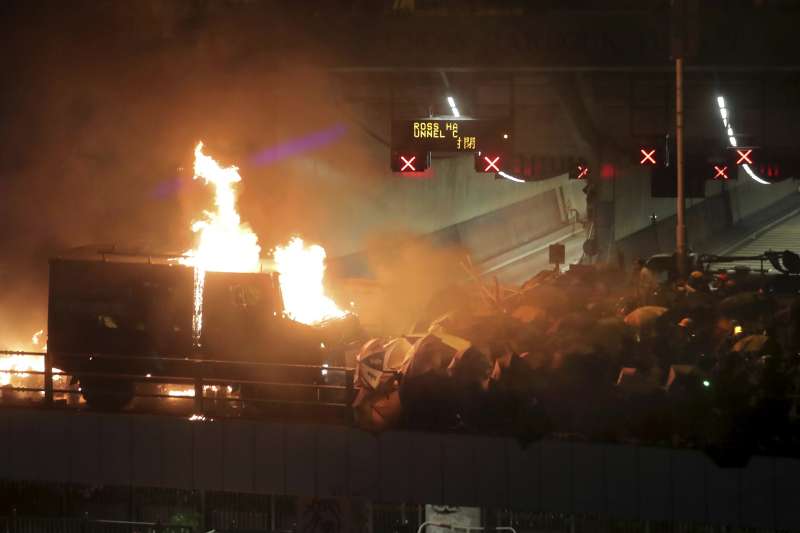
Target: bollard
point(349, 375)
point(48, 379)
point(198, 388)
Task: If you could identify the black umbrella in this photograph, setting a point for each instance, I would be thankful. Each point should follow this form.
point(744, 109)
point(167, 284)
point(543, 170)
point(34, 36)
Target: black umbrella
point(745, 305)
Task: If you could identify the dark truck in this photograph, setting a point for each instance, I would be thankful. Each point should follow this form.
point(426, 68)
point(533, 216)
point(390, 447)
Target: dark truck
point(112, 323)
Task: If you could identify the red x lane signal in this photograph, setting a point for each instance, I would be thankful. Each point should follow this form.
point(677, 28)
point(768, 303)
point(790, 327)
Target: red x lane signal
point(408, 163)
point(721, 172)
point(583, 172)
point(648, 156)
point(744, 156)
point(491, 164)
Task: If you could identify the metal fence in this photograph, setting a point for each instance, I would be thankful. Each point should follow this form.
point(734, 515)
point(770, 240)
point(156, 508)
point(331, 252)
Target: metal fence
point(321, 387)
point(31, 524)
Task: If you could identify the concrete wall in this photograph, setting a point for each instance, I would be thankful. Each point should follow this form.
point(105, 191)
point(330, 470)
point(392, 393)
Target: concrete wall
point(634, 206)
point(626, 482)
point(451, 193)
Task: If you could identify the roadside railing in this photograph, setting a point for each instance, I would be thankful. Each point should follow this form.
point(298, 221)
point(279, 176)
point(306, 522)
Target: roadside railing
point(466, 529)
point(35, 524)
point(204, 382)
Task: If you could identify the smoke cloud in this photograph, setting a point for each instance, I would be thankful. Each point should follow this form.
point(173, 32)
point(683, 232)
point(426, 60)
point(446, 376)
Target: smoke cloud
point(100, 109)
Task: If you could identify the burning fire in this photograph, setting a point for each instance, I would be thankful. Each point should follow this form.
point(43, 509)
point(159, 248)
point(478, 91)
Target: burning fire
point(225, 244)
point(19, 363)
point(14, 368)
point(36, 338)
point(302, 269)
point(188, 392)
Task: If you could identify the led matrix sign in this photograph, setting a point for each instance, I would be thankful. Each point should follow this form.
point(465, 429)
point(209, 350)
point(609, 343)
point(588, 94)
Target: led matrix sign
point(448, 135)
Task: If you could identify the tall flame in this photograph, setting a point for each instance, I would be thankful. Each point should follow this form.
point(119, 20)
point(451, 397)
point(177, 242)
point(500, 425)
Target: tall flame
point(302, 269)
point(225, 244)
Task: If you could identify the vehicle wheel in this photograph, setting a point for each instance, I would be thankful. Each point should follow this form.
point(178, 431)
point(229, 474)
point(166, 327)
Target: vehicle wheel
point(106, 393)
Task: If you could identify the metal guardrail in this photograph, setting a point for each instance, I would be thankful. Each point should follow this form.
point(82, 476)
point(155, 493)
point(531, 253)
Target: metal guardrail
point(198, 377)
point(35, 524)
point(468, 529)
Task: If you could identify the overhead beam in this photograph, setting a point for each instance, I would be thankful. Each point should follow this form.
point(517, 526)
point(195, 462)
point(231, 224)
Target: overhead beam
point(749, 69)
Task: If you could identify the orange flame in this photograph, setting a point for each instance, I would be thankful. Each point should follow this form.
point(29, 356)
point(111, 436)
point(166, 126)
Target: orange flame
point(14, 367)
point(302, 269)
point(225, 244)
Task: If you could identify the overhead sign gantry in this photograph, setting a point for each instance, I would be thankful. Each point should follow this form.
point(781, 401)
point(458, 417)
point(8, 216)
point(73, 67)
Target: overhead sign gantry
point(414, 140)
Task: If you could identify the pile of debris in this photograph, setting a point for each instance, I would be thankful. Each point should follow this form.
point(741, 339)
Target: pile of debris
point(582, 353)
point(485, 364)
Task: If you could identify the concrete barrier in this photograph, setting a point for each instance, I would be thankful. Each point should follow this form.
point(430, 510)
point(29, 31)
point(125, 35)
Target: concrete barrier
point(324, 461)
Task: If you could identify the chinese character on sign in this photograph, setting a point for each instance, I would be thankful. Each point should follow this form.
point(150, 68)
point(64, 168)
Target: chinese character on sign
point(469, 143)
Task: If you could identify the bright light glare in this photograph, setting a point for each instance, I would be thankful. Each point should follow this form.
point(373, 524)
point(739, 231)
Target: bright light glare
point(452, 102)
point(754, 176)
point(510, 177)
point(732, 140)
point(706, 383)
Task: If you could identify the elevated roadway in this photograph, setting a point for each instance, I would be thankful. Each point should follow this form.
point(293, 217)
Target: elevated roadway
point(778, 235)
point(326, 461)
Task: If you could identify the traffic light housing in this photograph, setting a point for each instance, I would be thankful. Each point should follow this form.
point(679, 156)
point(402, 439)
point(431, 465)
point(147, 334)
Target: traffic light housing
point(580, 170)
point(650, 155)
point(491, 162)
point(409, 161)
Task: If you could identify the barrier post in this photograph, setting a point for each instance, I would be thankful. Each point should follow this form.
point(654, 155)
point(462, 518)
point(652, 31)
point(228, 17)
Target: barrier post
point(198, 393)
point(349, 374)
point(48, 378)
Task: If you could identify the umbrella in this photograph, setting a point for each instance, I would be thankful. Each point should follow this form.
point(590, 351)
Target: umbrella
point(699, 300)
point(429, 354)
point(471, 365)
point(752, 344)
point(745, 304)
point(644, 315)
point(397, 351)
point(370, 364)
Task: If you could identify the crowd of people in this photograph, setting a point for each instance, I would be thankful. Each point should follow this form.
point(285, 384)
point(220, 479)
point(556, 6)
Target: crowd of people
point(707, 361)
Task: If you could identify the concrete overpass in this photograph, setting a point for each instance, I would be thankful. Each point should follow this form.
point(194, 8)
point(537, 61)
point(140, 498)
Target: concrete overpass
point(618, 481)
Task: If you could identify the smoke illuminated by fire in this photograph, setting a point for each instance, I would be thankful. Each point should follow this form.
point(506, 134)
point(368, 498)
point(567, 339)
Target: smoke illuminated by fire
point(302, 269)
